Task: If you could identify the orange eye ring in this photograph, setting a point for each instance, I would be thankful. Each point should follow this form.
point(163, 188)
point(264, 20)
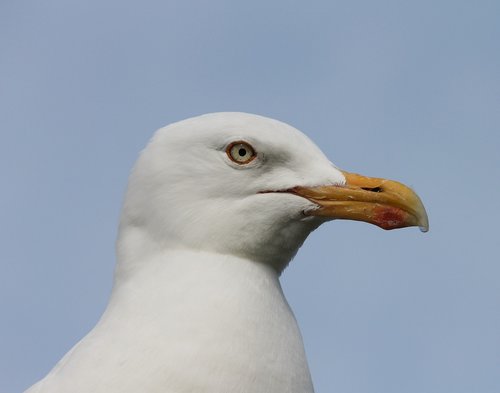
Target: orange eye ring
point(241, 152)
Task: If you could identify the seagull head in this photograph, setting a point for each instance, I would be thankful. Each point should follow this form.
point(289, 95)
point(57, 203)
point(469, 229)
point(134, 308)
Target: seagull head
point(246, 185)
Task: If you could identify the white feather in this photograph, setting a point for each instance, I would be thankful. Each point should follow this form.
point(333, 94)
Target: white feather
point(197, 305)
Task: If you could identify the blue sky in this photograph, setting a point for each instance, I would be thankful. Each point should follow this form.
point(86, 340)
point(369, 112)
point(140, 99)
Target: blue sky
point(404, 90)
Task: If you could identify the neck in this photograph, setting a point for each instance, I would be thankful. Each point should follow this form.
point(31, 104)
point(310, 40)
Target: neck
point(221, 315)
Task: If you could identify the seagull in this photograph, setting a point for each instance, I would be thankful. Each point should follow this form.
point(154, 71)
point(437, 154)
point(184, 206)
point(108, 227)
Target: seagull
point(216, 207)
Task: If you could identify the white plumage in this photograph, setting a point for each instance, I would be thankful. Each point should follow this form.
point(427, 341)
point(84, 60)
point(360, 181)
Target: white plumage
point(196, 304)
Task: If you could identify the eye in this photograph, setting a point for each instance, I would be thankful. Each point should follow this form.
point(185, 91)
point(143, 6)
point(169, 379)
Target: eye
point(240, 152)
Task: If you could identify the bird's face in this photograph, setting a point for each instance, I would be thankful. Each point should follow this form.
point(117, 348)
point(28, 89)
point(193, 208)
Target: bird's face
point(251, 186)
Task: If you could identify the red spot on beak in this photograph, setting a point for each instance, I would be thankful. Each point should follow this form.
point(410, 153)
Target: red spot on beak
point(389, 217)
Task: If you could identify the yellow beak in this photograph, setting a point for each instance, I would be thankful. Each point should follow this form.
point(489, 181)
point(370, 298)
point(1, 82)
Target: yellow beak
point(385, 203)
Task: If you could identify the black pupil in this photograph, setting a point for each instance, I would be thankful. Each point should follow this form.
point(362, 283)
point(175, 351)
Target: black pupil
point(242, 152)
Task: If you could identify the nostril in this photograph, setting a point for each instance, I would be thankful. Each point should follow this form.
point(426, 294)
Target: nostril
point(372, 189)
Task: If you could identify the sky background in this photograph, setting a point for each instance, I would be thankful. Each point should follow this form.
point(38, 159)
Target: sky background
point(405, 90)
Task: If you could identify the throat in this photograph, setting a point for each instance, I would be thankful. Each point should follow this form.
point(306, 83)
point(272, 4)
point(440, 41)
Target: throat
point(183, 277)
